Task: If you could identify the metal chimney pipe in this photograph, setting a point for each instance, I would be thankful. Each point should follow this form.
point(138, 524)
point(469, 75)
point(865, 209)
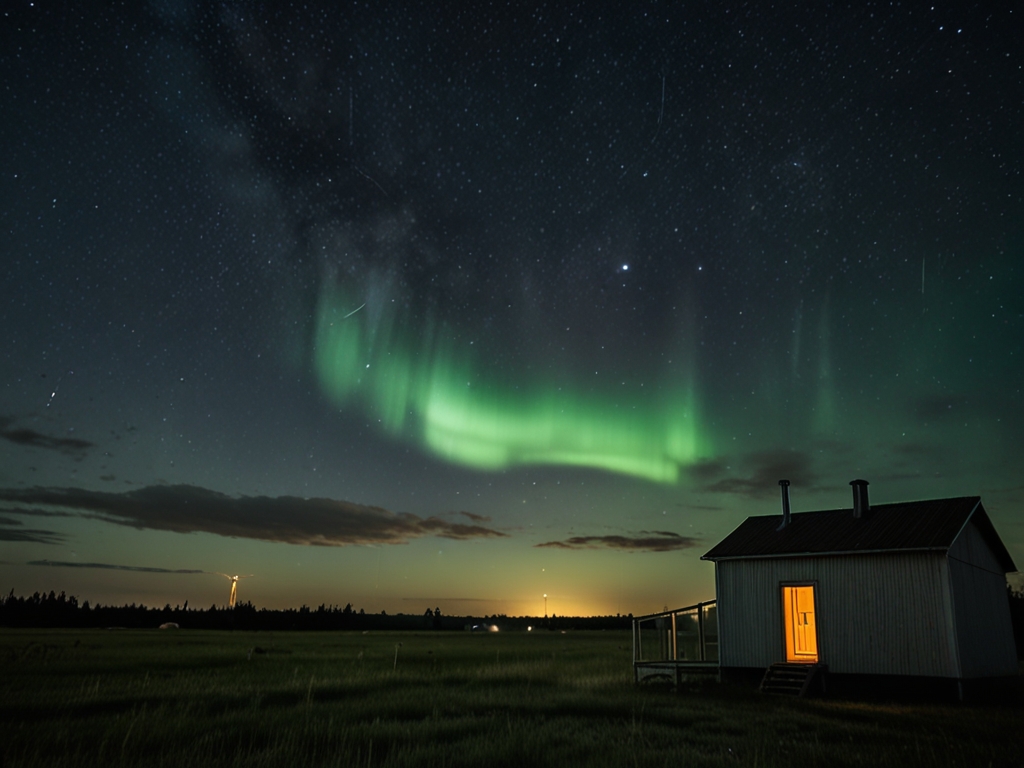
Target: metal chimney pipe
point(784, 484)
point(860, 498)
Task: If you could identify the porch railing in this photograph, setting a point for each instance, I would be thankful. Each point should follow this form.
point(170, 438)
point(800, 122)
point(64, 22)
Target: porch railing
point(671, 643)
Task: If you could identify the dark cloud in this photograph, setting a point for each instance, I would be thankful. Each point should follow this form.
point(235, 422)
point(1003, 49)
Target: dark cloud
point(31, 535)
point(37, 512)
point(645, 541)
point(288, 519)
point(476, 518)
point(707, 470)
point(438, 527)
point(111, 567)
point(755, 475)
point(29, 437)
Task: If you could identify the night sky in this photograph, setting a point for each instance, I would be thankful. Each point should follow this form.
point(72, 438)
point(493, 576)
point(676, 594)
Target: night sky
point(412, 307)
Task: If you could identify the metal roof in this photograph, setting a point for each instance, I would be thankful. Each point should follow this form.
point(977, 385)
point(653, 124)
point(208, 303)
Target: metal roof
point(908, 526)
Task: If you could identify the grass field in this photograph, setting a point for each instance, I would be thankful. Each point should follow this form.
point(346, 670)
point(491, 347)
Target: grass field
point(112, 698)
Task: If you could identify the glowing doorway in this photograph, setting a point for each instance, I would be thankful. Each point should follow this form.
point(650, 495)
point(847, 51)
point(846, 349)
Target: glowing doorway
point(801, 629)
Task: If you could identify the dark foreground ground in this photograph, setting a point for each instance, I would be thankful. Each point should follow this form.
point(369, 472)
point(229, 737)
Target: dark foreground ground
point(199, 698)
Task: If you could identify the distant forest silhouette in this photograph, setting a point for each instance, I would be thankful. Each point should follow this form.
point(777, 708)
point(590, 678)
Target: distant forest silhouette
point(63, 611)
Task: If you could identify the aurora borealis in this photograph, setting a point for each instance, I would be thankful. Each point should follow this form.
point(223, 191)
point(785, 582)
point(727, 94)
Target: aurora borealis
point(488, 424)
point(407, 307)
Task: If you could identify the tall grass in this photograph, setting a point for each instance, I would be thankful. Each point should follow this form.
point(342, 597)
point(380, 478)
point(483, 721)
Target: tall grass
point(77, 698)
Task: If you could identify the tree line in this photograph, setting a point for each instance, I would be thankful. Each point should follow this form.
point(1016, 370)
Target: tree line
point(65, 611)
point(55, 610)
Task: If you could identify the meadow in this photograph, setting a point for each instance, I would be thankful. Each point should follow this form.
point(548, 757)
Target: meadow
point(204, 698)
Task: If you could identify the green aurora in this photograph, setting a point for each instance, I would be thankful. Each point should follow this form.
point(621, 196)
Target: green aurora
point(426, 391)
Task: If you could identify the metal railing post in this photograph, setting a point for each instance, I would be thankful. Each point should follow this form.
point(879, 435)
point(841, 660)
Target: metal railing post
point(700, 631)
point(674, 650)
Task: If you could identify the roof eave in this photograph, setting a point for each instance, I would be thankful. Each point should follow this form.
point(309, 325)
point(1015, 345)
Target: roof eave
point(829, 553)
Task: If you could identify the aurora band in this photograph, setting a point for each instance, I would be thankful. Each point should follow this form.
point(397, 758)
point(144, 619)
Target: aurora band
point(421, 388)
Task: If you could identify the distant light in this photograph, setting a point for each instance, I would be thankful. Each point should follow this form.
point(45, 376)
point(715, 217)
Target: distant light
point(529, 629)
point(625, 267)
point(493, 628)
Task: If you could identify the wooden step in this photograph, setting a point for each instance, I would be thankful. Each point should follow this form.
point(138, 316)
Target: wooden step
point(790, 679)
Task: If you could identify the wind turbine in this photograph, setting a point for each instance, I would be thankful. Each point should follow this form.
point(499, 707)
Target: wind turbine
point(234, 586)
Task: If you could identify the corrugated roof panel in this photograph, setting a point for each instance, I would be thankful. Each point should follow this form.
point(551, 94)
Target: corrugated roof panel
point(912, 525)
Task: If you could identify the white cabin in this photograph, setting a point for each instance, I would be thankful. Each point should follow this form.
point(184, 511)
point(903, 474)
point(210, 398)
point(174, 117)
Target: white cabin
point(914, 591)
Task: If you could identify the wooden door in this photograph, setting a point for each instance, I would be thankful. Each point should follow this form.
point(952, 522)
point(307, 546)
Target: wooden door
point(801, 628)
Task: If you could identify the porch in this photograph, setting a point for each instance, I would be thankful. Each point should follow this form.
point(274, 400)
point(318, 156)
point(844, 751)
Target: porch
point(674, 645)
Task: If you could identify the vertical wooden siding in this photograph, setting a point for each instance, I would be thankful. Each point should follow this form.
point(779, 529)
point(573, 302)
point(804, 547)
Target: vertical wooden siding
point(876, 614)
point(980, 607)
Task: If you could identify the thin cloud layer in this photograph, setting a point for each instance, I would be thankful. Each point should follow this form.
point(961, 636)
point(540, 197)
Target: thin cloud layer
point(31, 536)
point(71, 446)
point(111, 567)
point(755, 475)
point(11, 530)
point(285, 519)
point(645, 541)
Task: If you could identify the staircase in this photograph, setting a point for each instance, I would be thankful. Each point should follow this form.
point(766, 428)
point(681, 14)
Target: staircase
point(791, 679)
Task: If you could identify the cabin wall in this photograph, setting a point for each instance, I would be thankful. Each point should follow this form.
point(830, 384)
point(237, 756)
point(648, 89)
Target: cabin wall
point(980, 608)
point(880, 614)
